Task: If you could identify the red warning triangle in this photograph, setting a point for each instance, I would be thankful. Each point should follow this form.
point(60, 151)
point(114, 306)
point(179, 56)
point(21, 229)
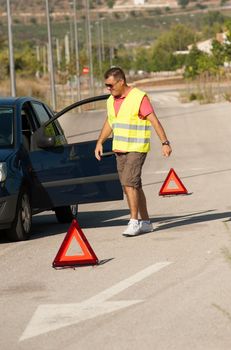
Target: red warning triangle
point(172, 185)
point(65, 257)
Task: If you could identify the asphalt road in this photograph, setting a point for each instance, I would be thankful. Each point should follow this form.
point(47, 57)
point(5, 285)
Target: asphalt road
point(165, 290)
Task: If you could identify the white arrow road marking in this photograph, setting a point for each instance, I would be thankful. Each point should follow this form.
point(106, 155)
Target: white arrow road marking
point(54, 316)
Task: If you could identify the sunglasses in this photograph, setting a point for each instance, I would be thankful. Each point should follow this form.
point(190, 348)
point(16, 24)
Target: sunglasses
point(110, 86)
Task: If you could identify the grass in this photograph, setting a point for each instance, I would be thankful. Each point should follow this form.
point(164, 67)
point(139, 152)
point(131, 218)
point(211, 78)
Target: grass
point(40, 89)
point(201, 91)
point(207, 90)
point(27, 87)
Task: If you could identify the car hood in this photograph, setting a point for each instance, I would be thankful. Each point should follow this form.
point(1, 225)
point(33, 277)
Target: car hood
point(5, 153)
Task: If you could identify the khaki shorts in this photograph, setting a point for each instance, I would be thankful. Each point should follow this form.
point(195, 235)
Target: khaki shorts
point(129, 166)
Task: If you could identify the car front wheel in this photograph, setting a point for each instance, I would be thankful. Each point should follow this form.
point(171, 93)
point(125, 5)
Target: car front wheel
point(66, 214)
point(21, 226)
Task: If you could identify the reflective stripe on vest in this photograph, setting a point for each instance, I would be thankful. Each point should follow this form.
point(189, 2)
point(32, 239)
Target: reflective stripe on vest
point(131, 127)
point(131, 139)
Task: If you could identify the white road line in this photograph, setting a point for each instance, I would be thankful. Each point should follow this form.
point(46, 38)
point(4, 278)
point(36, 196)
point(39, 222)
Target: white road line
point(50, 317)
point(119, 287)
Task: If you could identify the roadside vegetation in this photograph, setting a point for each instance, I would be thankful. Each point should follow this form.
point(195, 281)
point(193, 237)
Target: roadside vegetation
point(141, 42)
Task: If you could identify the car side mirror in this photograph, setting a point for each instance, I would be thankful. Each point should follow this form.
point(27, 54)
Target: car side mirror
point(43, 140)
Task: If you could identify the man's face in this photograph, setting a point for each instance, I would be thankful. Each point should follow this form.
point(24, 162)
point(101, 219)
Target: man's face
point(115, 86)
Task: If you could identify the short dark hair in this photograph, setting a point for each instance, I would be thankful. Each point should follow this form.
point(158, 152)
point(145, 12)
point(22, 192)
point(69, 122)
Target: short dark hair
point(116, 72)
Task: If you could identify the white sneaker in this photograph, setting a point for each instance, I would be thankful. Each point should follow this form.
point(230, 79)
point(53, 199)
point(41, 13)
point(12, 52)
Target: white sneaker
point(133, 228)
point(145, 226)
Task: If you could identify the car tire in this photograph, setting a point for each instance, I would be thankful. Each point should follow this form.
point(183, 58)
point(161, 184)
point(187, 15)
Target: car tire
point(66, 214)
point(21, 226)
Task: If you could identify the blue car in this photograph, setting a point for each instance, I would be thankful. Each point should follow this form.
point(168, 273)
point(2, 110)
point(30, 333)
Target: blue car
point(40, 170)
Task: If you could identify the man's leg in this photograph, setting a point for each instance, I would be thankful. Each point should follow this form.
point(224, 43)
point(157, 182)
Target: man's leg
point(143, 205)
point(132, 194)
point(137, 205)
point(145, 223)
point(129, 167)
point(136, 202)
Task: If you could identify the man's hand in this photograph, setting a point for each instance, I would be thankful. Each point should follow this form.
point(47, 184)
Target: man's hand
point(105, 133)
point(98, 150)
point(166, 150)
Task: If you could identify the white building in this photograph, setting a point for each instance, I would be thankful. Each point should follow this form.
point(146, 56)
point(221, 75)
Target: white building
point(205, 46)
point(139, 2)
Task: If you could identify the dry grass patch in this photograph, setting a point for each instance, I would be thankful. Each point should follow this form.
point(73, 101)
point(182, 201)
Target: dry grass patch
point(27, 87)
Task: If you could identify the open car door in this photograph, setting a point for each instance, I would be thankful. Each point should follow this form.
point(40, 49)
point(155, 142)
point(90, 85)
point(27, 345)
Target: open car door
point(68, 172)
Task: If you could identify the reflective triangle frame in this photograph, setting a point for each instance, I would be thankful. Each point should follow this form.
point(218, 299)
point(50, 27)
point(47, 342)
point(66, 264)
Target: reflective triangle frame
point(172, 176)
point(87, 258)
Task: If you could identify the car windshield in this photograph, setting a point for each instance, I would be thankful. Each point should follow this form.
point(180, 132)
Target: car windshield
point(6, 126)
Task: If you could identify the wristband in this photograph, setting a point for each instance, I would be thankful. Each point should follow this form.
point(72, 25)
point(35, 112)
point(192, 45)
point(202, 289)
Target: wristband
point(166, 143)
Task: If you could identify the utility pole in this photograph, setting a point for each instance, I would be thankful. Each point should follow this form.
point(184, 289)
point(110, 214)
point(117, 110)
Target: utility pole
point(110, 45)
point(99, 52)
point(37, 74)
point(51, 62)
point(38, 53)
point(44, 53)
point(67, 51)
point(11, 52)
point(102, 39)
point(90, 48)
point(58, 54)
point(76, 52)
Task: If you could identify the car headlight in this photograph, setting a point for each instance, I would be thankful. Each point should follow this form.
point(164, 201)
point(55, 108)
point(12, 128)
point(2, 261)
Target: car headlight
point(3, 172)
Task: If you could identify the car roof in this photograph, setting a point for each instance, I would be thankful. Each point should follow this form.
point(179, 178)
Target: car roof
point(13, 101)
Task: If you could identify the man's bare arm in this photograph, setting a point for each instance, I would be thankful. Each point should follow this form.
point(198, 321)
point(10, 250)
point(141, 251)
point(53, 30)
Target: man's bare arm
point(167, 150)
point(104, 134)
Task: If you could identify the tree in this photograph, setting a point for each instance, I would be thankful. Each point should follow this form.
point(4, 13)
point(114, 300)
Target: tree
point(25, 61)
point(183, 3)
point(178, 38)
point(218, 53)
point(163, 60)
point(206, 64)
point(227, 45)
point(191, 66)
point(4, 66)
point(213, 17)
point(142, 59)
point(110, 3)
point(181, 36)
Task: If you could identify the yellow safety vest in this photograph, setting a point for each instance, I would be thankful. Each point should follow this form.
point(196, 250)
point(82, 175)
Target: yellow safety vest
point(130, 133)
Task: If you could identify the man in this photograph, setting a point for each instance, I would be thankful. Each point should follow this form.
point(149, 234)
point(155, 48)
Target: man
point(130, 117)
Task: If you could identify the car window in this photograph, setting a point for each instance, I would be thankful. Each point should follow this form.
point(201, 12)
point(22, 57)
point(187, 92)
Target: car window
point(28, 118)
point(41, 112)
point(84, 123)
point(6, 127)
point(28, 124)
point(43, 116)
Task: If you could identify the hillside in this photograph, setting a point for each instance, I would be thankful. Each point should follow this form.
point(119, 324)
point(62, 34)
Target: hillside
point(30, 25)
point(35, 7)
